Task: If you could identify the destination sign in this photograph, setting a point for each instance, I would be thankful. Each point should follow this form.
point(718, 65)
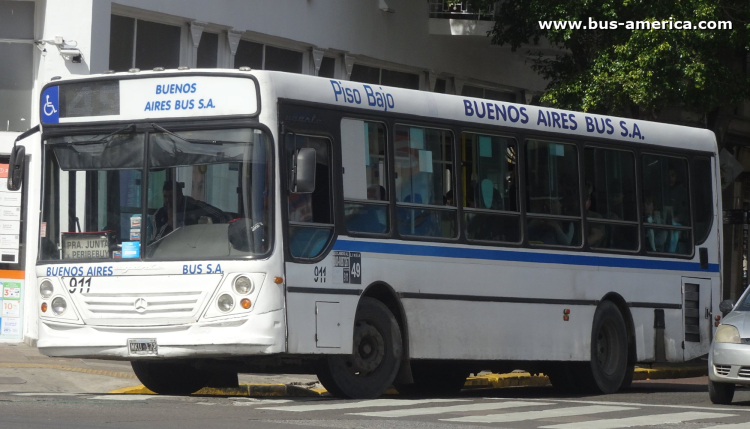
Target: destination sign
point(86, 245)
point(149, 98)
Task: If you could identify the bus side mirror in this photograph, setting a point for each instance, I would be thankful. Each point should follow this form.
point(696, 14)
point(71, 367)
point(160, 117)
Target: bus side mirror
point(726, 306)
point(304, 171)
point(16, 168)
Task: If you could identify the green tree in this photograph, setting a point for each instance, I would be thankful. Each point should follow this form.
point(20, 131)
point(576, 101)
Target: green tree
point(627, 71)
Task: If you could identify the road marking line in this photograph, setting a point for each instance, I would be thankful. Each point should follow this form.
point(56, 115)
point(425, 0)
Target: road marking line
point(48, 394)
point(132, 397)
point(652, 420)
point(536, 415)
point(361, 404)
point(729, 426)
point(629, 404)
point(451, 409)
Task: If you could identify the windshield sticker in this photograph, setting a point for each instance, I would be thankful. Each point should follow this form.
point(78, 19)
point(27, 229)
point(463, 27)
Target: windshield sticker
point(131, 249)
point(347, 267)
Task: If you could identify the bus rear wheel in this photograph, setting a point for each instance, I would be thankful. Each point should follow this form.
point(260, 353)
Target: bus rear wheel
point(171, 377)
point(372, 367)
point(609, 350)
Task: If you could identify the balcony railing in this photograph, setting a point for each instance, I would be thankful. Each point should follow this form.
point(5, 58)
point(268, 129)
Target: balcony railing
point(460, 10)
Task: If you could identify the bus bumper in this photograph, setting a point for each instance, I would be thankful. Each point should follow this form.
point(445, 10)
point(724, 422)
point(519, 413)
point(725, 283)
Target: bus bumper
point(255, 335)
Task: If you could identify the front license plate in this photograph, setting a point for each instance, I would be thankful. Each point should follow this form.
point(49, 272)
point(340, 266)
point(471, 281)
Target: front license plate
point(146, 347)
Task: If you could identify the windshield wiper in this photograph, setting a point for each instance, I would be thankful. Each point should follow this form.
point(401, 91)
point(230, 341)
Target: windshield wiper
point(214, 142)
point(120, 131)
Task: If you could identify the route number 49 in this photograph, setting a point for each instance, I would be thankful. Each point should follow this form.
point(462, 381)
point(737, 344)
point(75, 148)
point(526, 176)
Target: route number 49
point(79, 284)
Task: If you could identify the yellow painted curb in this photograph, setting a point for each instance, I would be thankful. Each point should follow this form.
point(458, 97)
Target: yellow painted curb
point(69, 368)
point(244, 389)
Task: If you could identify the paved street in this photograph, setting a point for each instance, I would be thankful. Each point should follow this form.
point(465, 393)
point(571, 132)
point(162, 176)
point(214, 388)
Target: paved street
point(670, 404)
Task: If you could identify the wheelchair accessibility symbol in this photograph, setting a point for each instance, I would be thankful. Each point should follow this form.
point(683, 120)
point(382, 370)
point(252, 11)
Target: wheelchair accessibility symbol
point(49, 108)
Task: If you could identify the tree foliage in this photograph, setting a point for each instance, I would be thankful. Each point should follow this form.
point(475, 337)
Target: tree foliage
point(632, 72)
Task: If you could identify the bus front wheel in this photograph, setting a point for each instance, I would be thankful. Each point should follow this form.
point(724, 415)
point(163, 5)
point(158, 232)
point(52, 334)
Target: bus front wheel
point(376, 357)
point(609, 349)
point(171, 377)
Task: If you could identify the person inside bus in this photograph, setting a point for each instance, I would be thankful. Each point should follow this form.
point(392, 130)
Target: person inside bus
point(676, 210)
point(595, 236)
point(189, 211)
point(549, 231)
point(655, 239)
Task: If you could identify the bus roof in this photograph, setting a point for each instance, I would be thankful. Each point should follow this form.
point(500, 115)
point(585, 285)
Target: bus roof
point(376, 98)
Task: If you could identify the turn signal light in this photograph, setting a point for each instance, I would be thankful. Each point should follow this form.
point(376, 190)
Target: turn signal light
point(566, 311)
point(718, 318)
point(44, 307)
point(245, 303)
point(716, 323)
point(278, 280)
point(566, 318)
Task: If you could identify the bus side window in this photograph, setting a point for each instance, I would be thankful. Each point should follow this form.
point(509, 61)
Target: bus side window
point(490, 188)
point(365, 176)
point(666, 204)
point(425, 205)
point(311, 215)
point(552, 194)
point(703, 200)
point(610, 201)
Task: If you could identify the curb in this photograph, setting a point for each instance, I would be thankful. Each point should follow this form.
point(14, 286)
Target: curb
point(255, 390)
point(484, 381)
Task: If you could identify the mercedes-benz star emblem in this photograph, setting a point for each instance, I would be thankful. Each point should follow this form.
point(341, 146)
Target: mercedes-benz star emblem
point(140, 305)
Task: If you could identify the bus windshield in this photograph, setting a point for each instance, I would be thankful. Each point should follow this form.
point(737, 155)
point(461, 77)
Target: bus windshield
point(205, 195)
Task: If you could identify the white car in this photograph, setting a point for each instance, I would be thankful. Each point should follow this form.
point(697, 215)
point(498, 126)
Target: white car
point(729, 358)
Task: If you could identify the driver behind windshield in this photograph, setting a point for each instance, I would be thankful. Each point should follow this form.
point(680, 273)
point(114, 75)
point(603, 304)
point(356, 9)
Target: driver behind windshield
point(189, 211)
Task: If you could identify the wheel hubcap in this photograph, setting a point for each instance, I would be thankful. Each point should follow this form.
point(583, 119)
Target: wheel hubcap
point(369, 349)
point(606, 348)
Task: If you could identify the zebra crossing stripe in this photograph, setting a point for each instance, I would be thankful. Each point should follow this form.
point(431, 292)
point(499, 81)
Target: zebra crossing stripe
point(651, 420)
point(729, 426)
point(451, 409)
point(360, 404)
point(542, 414)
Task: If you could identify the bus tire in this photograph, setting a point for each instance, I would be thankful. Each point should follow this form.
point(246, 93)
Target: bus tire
point(171, 377)
point(369, 371)
point(720, 393)
point(434, 380)
point(629, 373)
point(609, 349)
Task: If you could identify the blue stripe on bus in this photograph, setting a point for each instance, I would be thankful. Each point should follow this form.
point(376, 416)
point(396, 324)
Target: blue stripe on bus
point(515, 256)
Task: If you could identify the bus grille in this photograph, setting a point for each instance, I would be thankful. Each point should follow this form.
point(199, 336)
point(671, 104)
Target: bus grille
point(722, 369)
point(145, 300)
point(744, 372)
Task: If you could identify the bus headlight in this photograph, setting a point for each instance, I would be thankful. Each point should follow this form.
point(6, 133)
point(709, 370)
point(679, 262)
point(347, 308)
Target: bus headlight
point(727, 334)
point(243, 285)
point(59, 305)
point(225, 302)
point(46, 289)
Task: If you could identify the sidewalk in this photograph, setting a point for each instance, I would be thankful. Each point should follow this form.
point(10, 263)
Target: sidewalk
point(24, 369)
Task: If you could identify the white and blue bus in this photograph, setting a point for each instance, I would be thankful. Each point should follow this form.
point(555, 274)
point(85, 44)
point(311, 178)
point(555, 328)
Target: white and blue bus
point(204, 223)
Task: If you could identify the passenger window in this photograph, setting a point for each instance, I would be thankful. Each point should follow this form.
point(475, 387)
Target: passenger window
point(311, 214)
point(424, 174)
point(665, 203)
point(490, 188)
point(552, 194)
point(365, 176)
point(610, 200)
point(702, 187)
